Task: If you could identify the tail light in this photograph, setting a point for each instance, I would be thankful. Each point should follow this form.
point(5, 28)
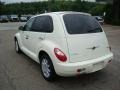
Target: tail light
point(60, 55)
point(109, 61)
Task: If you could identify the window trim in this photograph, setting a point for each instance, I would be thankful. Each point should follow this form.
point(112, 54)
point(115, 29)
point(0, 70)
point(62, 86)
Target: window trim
point(27, 22)
point(43, 31)
point(79, 33)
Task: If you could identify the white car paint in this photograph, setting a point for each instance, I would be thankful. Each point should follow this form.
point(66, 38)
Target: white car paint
point(75, 47)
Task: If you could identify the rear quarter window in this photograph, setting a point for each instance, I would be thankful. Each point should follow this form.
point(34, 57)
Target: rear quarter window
point(81, 24)
point(43, 24)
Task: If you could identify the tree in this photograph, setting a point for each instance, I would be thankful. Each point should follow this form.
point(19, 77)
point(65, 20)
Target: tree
point(52, 5)
point(98, 10)
point(1, 4)
point(114, 14)
point(116, 9)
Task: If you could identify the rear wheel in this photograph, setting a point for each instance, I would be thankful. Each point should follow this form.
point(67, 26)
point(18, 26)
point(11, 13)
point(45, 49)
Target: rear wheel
point(47, 68)
point(17, 48)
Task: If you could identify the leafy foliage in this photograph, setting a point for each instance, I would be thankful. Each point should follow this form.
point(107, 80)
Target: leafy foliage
point(113, 13)
point(53, 5)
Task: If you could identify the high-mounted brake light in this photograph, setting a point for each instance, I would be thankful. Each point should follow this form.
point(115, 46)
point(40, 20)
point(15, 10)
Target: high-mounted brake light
point(60, 55)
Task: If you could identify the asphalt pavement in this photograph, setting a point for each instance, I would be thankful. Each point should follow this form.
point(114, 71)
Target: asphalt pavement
point(19, 72)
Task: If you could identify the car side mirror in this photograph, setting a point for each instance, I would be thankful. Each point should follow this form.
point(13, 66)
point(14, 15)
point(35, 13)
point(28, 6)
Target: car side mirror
point(21, 28)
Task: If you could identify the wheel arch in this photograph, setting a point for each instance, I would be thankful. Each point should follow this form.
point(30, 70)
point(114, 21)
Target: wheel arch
point(46, 47)
point(42, 52)
point(15, 38)
point(18, 38)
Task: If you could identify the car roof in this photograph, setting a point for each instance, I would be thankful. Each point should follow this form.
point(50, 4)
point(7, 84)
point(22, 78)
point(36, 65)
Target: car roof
point(69, 12)
point(62, 13)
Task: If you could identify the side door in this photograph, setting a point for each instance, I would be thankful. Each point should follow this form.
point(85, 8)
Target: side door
point(40, 27)
point(25, 35)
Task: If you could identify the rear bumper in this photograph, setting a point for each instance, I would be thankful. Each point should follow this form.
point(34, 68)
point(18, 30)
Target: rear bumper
point(89, 66)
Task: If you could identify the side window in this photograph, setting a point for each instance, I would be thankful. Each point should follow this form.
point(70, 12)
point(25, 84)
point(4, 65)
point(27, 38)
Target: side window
point(43, 24)
point(28, 25)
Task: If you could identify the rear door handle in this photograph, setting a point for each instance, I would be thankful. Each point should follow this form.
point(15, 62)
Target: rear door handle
point(27, 37)
point(41, 38)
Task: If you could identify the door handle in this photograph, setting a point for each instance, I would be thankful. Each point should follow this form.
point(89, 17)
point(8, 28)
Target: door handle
point(41, 38)
point(27, 37)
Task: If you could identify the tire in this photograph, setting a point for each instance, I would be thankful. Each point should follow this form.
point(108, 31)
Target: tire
point(47, 68)
point(17, 48)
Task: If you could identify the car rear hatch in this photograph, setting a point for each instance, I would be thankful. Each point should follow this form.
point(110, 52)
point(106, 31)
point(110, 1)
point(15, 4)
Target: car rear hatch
point(85, 38)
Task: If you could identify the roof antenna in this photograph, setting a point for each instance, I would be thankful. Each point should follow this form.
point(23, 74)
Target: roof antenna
point(45, 11)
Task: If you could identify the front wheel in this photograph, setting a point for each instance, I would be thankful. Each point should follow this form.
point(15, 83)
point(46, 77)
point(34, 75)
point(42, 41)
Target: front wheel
point(47, 68)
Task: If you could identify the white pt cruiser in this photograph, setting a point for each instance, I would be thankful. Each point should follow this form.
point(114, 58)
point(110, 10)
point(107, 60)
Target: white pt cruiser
point(64, 43)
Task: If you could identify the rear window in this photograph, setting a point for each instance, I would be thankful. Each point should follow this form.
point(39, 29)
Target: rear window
point(81, 24)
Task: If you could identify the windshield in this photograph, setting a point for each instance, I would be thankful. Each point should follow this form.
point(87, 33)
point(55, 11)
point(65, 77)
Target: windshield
point(81, 24)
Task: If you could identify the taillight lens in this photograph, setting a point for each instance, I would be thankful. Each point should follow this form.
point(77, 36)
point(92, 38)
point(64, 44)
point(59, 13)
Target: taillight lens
point(60, 55)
